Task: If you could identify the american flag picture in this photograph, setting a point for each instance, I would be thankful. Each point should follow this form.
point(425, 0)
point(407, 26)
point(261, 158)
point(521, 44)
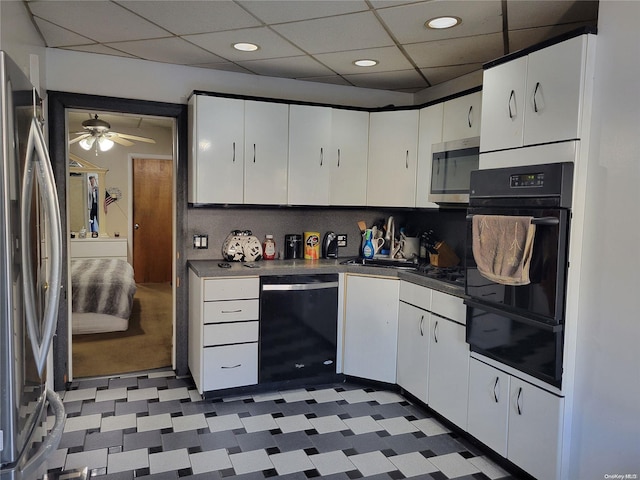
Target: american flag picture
point(108, 200)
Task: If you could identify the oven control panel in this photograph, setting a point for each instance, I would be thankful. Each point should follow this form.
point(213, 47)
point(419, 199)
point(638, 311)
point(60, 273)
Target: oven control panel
point(526, 180)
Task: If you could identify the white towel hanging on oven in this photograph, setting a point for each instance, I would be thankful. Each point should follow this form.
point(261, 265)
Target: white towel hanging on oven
point(502, 247)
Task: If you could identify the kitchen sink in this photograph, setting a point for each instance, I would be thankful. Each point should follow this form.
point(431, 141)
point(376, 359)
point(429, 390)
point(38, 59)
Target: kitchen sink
point(382, 262)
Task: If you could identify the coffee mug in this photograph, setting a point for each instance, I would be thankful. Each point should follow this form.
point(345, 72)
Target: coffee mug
point(410, 247)
point(377, 244)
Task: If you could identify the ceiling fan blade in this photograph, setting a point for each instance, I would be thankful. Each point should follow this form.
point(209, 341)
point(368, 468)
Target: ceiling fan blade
point(120, 141)
point(77, 139)
point(134, 137)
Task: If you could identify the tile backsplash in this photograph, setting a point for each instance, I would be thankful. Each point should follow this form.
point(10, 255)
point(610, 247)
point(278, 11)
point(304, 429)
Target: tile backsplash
point(218, 221)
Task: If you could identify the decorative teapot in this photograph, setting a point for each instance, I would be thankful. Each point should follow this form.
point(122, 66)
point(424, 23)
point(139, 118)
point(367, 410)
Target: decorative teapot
point(241, 246)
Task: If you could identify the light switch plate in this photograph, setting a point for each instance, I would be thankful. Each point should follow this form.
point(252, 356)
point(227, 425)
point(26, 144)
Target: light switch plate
point(201, 241)
point(342, 240)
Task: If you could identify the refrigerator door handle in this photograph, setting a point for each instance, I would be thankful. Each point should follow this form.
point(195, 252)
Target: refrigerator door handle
point(40, 166)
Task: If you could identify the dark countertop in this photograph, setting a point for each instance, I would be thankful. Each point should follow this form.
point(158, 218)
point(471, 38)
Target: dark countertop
point(210, 268)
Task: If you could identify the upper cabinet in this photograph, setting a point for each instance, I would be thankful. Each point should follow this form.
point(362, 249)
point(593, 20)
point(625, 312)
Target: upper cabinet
point(266, 135)
point(393, 154)
point(309, 152)
point(216, 160)
point(462, 117)
point(430, 132)
point(348, 157)
point(535, 99)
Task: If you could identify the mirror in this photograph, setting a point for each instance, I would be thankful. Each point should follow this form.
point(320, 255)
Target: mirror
point(86, 197)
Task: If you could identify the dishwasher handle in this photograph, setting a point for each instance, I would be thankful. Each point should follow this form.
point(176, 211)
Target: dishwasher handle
point(299, 286)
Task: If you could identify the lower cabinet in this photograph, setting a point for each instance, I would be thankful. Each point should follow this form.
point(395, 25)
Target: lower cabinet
point(413, 350)
point(371, 327)
point(223, 331)
point(518, 420)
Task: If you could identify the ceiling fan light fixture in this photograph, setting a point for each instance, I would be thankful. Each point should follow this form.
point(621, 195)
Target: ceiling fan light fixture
point(105, 144)
point(440, 23)
point(87, 143)
point(246, 47)
point(366, 62)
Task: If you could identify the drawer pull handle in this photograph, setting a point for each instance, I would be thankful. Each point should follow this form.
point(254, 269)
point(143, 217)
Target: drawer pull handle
point(235, 366)
point(231, 311)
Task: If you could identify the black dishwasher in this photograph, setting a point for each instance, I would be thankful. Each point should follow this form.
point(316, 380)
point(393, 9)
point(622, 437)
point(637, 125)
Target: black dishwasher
point(298, 327)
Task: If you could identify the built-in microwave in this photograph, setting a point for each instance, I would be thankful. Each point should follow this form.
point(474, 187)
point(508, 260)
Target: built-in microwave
point(451, 166)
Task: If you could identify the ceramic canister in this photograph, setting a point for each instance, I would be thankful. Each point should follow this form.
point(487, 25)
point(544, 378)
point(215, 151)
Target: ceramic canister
point(311, 245)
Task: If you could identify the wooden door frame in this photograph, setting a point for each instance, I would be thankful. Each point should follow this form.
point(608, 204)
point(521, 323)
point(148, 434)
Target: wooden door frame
point(58, 103)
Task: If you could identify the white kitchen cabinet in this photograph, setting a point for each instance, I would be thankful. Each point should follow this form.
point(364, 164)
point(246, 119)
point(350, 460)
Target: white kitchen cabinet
point(348, 157)
point(413, 350)
point(393, 154)
point(462, 117)
point(448, 359)
point(371, 327)
point(216, 160)
point(266, 126)
point(535, 426)
point(518, 420)
point(535, 99)
point(430, 132)
point(223, 331)
point(309, 155)
point(488, 405)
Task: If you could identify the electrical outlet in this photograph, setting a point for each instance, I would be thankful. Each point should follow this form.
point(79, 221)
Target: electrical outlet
point(342, 240)
point(200, 241)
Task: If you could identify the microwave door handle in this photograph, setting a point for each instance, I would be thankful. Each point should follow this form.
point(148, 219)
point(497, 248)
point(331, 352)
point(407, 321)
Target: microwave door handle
point(40, 166)
point(514, 316)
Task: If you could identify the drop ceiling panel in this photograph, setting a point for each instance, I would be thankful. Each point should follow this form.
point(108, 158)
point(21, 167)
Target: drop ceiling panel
point(390, 58)
point(348, 32)
point(290, 67)
point(99, 20)
point(58, 36)
point(405, 79)
point(438, 75)
point(278, 11)
point(99, 49)
point(167, 50)
point(533, 13)
point(519, 39)
point(456, 51)
point(189, 17)
point(407, 21)
point(221, 43)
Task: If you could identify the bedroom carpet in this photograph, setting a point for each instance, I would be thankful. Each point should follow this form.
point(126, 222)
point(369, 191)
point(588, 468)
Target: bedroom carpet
point(145, 345)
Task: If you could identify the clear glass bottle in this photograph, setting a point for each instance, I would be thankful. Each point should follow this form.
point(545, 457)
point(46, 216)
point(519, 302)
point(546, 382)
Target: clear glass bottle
point(269, 248)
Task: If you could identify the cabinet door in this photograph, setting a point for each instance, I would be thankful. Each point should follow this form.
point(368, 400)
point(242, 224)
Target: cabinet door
point(266, 150)
point(309, 145)
point(371, 328)
point(535, 419)
point(461, 117)
point(413, 350)
point(555, 86)
point(488, 405)
point(348, 157)
point(430, 132)
point(503, 105)
point(448, 370)
point(393, 154)
point(217, 165)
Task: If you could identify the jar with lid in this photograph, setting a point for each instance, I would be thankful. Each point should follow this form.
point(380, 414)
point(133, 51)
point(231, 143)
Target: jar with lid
point(269, 248)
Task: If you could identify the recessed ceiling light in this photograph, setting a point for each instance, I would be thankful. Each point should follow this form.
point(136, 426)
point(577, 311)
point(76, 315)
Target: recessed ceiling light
point(365, 63)
point(443, 22)
point(246, 47)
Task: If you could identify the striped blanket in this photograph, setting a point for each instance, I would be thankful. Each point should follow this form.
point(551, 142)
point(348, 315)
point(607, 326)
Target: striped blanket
point(101, 285)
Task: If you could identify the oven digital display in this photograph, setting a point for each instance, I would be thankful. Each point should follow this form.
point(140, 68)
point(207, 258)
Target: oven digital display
point(526, 180)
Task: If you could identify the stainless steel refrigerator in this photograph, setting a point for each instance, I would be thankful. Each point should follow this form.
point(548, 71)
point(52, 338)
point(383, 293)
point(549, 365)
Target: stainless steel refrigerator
point(30, 279)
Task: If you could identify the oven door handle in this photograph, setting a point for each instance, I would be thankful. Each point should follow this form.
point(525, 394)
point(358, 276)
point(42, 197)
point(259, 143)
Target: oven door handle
point(514, 316)
point(543, 221)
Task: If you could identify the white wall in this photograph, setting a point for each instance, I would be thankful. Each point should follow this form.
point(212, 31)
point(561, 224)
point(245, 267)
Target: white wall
point(94, 74)
point(606, 429)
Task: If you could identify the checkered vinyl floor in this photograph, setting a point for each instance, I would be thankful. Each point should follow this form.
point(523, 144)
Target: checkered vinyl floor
point(156, 426)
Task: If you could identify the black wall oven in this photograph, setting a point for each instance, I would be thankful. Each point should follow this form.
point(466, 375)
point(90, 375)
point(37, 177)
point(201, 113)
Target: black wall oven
point(522, 325)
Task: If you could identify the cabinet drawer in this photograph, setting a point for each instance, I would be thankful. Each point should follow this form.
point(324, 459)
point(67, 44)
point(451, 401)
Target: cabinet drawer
point(226, 333)
point(230, 311)
point(231, 289)
point(415, 295)
point(448, 306)
point(230, 366)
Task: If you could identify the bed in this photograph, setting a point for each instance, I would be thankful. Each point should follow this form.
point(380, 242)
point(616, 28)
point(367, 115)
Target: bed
point(102, 295)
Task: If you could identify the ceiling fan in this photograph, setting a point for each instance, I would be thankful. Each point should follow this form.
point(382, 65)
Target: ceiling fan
point(97, 132)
